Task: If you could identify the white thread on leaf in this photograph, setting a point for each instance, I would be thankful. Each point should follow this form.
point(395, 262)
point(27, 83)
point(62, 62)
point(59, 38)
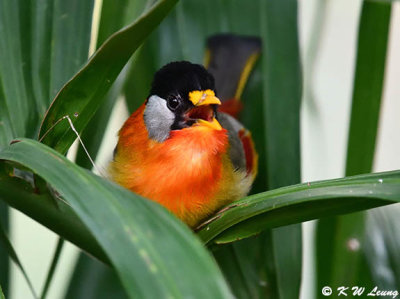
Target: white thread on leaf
point(79, 138)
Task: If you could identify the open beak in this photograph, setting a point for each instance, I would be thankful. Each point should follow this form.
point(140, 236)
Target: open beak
point(203, 112)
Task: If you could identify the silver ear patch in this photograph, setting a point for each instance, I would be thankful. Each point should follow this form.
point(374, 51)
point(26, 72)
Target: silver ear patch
point(158, 118)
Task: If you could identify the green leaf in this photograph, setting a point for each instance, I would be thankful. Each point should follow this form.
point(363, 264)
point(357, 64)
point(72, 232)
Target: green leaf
point(282, 70)
point(92, 279)
point(282, 98)
point(368, 86)
point(35, 37)
point(340, 264)
point(15, 65)
point(60, 45)
point(1, 293)
point(141, 72)
point(241, 270)
point(41, 33)
point(84, 93)
point(53, 265)
point(111, 19)
point(93, 133)
point(311, 52)
point(153, 253)
point(344, 250)
point(382, 246)
point(159, 49)
point(6, 128)
point(40, 206)
point(303, 202)
point(37, 56)
point(114, 15)
point(13, 255)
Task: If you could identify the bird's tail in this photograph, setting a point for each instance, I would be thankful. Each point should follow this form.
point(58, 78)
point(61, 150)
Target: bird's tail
point(230, 59)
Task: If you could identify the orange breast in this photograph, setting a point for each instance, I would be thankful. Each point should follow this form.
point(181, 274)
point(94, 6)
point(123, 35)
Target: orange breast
point(184, 173)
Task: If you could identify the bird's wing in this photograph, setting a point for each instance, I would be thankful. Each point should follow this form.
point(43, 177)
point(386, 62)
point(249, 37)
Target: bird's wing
point(241, 147)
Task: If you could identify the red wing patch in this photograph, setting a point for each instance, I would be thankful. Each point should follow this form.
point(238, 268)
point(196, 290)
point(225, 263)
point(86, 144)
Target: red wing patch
point(249, 150)
point(231, 107)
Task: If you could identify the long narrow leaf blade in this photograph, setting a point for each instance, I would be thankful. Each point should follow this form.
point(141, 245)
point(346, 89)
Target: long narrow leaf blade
point(368, 86)
point(282, 98)
point(41, 31)
point(382, 246)
point(302, 202)
point(52, 269)
point(93, 279)
point(153, 253)
point(60, 33)
point(7, 132)
point(15, 64)
point(55, 215)
point(84, 93)
point(13, 255)
point(112, 19)
point(340, 264)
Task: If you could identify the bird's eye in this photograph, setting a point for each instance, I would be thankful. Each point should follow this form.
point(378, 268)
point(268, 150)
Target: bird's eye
point(173, 102)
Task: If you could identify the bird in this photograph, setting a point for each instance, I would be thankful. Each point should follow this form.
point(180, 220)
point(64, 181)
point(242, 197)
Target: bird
point(180, 148)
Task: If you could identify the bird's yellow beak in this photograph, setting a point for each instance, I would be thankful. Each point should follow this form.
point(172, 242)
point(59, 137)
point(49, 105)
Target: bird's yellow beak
point(203, 98)
point(214, 124)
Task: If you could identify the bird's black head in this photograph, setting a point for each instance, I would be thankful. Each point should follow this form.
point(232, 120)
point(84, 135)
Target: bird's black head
point(181, 77)
point(182, 95)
